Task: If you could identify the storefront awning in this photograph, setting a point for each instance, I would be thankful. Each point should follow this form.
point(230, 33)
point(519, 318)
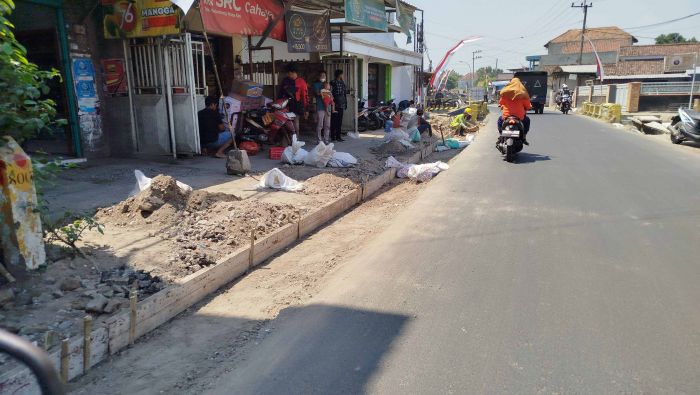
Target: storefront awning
point(396, 56)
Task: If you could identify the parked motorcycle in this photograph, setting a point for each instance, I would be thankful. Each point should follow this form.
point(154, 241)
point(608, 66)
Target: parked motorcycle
point(274, 125)
point(565, 104)
point(510, 141)
point(362, 116)
point(685, 126)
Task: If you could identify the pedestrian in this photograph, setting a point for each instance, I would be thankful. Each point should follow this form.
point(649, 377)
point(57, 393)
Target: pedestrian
point(212, 133)
point(340, 92)
point(295, 89)
point(423, 124)
point(323, 116)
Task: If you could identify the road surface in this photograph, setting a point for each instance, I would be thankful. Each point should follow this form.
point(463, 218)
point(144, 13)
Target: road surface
point(575, 270)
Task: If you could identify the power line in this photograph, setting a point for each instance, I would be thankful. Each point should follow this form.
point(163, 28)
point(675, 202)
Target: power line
point(662, 23)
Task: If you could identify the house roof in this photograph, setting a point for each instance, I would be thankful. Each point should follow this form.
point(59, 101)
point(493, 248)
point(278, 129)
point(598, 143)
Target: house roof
point(647, 59)
point(646, 76)
point(659, 49)
point(595, 33)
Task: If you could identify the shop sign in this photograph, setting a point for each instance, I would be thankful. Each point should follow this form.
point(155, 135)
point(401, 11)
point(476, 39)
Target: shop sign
point(248, 18)
point(369, 13)
point(308, 31)
point(114, 77)
point(140, 18)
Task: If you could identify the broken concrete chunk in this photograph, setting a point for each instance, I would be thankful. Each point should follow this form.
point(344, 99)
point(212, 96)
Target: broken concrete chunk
point(115, 304)
point(96, 304)
point(237, 162)
point(70, 284)
point(6, 295)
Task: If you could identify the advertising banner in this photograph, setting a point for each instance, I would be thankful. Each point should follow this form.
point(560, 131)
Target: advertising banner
point(404, 15)
point(114, 77)
point(85, 92)
point(249, 18)
point(140, 18)
point(308, 31)
point(369, 13)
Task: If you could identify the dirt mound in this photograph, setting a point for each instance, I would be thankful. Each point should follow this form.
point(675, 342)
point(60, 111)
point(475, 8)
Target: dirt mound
point(390, 148)
point(441, 123)
point(328, 183)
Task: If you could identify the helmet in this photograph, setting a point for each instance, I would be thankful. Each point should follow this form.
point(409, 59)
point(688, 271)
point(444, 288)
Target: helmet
point(564, 86)
point(468, 110)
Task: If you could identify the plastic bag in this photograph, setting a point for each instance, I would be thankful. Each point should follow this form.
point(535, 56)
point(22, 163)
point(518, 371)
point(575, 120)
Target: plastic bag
point(409, 118)
point(354, 135)
point(388, 125)
point(397, 135)
point(320, 155)
point(342, 159)
point(294, 154)
point(452, 143)
point(392, 162)
point(415, 135)
point(143, 182)
point(441, 148)
point(277, 180)
point(426, 171)
point(406, 143)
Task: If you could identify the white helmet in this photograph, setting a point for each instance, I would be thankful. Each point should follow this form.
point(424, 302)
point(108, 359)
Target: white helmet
point(564, 86)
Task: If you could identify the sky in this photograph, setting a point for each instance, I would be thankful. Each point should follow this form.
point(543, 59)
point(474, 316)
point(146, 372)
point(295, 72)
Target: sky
point(510, 40)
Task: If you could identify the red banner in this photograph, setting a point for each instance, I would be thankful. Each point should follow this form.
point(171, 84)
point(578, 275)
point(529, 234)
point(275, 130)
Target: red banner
point(249, 17)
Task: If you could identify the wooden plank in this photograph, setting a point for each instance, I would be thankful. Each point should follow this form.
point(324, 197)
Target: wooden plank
point(273, 243)
point(150, 309)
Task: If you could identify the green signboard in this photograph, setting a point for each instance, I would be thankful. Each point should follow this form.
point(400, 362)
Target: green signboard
point(369, 13)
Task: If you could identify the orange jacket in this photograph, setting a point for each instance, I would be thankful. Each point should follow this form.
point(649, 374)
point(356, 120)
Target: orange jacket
point(517, 107)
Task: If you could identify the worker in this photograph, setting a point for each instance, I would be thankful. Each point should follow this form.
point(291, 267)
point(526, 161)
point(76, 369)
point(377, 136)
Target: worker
point(464, 122)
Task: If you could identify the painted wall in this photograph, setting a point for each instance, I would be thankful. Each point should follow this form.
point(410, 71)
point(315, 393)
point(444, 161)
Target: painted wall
point(402, 79)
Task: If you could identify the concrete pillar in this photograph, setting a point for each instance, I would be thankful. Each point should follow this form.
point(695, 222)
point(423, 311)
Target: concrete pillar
point(634, 92)
point(590, 95)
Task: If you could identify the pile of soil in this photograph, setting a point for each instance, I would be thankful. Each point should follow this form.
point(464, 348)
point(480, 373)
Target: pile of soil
point(390, 148)
point(197, 228)
point(328, 184)
point(441, 123)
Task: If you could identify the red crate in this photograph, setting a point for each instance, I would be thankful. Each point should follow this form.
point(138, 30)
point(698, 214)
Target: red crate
point(276, 153)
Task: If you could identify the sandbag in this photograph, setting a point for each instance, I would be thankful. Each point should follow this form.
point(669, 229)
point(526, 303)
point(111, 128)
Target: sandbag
point(415, 135)
point(294, 154)
point(320, 155)
point(396, 135)
point(143, 182)
point(276, 179)
point(342, 159)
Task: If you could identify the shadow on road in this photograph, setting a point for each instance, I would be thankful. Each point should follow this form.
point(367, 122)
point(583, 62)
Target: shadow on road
point(526, 157)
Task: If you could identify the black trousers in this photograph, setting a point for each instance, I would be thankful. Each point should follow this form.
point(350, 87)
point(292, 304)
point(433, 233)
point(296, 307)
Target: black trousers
point(336, 123)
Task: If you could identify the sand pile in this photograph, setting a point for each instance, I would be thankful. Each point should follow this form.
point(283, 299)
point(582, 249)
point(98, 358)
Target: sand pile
point(328, 183)
point(390, 148)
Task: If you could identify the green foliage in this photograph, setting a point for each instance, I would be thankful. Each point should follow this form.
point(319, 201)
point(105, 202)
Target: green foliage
point(486, 74)
point(452, 81)
point(674, 38)
point(23, 110)
point(71, 230)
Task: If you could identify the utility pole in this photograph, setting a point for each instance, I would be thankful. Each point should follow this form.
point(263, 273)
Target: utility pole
point(474, 58)
point(585, 7)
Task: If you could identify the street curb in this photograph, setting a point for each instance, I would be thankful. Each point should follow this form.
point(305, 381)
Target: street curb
point(161, 307)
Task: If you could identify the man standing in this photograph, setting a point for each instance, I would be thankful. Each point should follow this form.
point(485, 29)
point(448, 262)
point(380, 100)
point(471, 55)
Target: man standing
point(341, 103)
point(323, 117)
point(213, 136)
point(296, 90)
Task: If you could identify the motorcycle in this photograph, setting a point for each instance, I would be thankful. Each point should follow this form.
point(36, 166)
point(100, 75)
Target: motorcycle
point(276, 124)
point(565, 105)
point(510, 141)
point(362, 116)
point(685, 126)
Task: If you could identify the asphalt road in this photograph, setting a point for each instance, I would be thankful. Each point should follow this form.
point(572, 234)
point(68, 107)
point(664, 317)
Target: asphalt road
point(575, 271)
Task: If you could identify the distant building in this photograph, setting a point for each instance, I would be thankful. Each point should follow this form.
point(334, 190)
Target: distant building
point(654, 63)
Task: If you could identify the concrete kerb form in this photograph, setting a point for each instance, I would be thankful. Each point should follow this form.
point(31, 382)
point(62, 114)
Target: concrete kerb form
point(164, 305)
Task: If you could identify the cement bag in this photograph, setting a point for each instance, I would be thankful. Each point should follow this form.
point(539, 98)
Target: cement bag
point(392, 162)
point(409, 118)
point(143, 182)
point(320, 155)
point(294, 154)
point(342, 159)
point(396, 135)
point(415, 135)
point(277, 180)
point(425, 172)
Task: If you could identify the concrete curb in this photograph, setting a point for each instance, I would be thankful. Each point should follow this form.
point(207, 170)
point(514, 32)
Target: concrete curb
point(161, 307)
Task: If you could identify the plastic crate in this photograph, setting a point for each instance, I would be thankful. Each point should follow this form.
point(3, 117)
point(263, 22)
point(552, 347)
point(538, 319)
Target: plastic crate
point(276, 153)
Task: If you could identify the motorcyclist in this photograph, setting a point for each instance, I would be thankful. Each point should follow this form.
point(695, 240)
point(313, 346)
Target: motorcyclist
point(564, 90)
point(515, 101)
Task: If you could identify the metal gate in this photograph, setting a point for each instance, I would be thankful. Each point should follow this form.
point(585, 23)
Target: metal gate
point(349, 67)
point(166, 88)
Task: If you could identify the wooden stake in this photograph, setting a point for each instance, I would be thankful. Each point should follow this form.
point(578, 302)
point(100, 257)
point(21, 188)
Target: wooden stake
point(87, 342)
point(64, 360)
point(252, 249)
point(48, 339)
point(132, 320)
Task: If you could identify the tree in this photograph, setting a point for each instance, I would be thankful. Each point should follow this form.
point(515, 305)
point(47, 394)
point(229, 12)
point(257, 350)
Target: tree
point(486, 74)
point(674, 38)
point(23, 108)
point(452, 81)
